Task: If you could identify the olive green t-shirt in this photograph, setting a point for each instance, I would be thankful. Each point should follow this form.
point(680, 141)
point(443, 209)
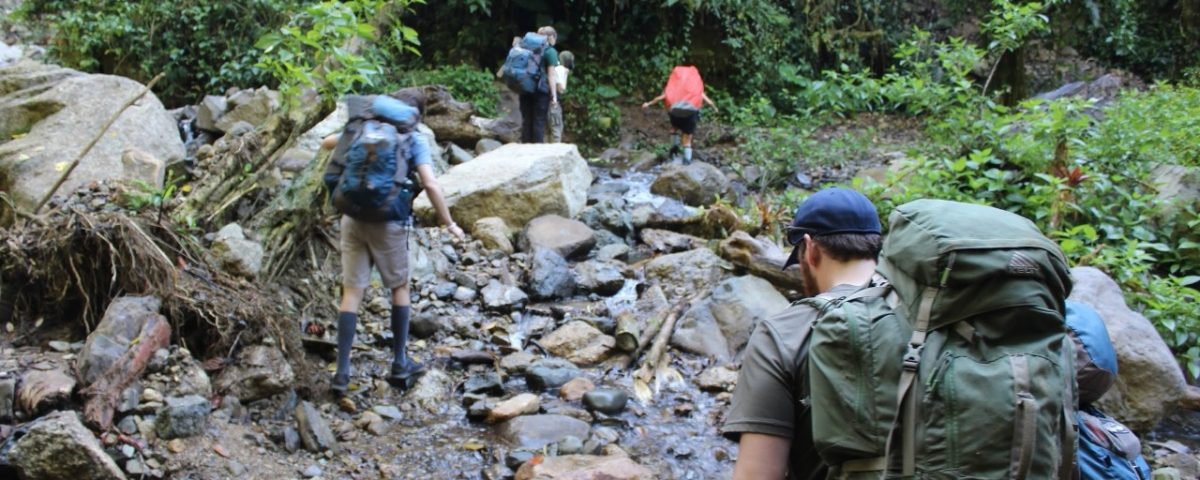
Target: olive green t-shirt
point(772, 391)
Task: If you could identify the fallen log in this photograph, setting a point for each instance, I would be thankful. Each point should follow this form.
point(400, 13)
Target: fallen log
point(104, 394)
point(661, 336)
point(760, 258)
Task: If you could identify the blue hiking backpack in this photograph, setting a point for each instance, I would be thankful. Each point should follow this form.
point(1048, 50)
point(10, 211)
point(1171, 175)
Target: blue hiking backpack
point(1108, 450)
point(523, 72)
point(377, 180)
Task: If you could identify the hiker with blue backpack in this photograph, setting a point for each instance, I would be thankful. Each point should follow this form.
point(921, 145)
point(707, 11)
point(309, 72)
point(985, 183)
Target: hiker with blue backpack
point(1108, 450)
point(378, 166)
point(944, 357)
point(529, 70)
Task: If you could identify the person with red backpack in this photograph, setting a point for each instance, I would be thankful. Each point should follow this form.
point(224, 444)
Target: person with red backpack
point(378, 166)
point(683, 97)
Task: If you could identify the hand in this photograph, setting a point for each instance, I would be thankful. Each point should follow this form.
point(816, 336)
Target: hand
point(646, 105)
point(554, 101)
point(457, 232)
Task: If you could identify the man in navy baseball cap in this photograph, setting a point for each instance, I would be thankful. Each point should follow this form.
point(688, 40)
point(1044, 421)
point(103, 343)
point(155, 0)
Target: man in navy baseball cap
point(836, 233)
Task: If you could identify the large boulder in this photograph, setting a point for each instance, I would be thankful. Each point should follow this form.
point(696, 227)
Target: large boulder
point(58, 446)
point(1177, 189)
point(584, 467)
point(260, 372)
point(516, 182)
point(55, 112)
point(250, 106)
point(720, 325)
point(450, 119)
point(697, 183)
point(570, 238)
point(1149, 381)
point(687, 272)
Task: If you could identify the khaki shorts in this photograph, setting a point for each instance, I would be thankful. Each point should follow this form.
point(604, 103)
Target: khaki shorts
point(382, 244)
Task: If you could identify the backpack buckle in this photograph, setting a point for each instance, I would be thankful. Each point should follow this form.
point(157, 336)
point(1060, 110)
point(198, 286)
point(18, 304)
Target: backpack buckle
point(912, 358)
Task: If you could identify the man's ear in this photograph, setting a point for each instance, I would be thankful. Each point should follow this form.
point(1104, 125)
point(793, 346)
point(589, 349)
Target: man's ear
point(812, 251)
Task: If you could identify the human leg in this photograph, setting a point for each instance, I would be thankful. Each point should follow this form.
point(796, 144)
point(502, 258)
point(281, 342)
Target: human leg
point(389, 250)
point(556, 123)
point(356, 270)
point(541, 111)
point(528, 104)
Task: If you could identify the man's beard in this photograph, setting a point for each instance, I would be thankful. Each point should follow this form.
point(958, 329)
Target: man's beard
point(809, 281)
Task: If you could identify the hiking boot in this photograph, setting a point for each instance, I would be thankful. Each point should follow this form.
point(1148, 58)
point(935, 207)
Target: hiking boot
point(340, 384)
point(405, 374)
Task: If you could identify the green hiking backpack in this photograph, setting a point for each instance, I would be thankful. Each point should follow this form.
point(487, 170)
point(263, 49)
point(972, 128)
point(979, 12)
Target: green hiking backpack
point(956, 364)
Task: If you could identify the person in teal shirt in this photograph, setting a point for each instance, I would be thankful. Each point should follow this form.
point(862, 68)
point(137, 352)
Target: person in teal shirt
point(535, 107)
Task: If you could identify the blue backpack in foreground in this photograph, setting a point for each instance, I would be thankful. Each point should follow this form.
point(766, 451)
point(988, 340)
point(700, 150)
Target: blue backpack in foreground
point(376, 182)
point(1107, 449)
point(523, 72)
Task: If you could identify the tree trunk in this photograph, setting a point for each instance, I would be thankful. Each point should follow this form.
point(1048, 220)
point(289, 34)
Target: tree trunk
point(1012, 78)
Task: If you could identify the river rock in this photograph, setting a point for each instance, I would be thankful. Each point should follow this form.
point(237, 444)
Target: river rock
point(517, 182)
point(126, 319)
point(720, 325)
point(536, 431)
point(550, 373)
point(431, 391)
point(608, 214)
point(549, 275)
point(717, 379)
point(485, 145)
point(600, 277)
point(502, 297)
point(458, 156)
point(585, 467)
point(517, 362)
point(313, 428)
point(235, 253)
point(666, 241)
point(696, 184)
point(1149, 381)
point(573, 390)
point(211, 108)
point(59, 111)
point(580, 343)
point(611, 252)
point(570, 238)
point(523, 404)
point(686, 272)
point(250, 106)
point(493, 233)
point(260, 372)
point(57, 447)
point(489, 382)
point(182, 417)
point(40, 390)
point(609, 401)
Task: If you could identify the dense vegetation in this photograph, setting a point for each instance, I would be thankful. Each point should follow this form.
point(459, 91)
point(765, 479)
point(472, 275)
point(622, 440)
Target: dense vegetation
point(781, 69)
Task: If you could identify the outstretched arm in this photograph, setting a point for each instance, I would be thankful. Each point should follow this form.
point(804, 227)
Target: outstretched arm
point(710, 103)
point(656, 100)
point(434, 191)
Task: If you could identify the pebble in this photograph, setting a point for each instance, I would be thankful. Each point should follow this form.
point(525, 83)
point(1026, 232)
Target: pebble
point(60, 346)
point(606, 400)
point(312, 471)
point(151, 395)
point(570, 445)
point(387, 411)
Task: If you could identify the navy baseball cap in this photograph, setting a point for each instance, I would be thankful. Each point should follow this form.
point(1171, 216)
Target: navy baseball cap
point(830, 211)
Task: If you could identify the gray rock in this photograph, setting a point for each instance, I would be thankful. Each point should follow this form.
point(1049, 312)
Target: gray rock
point(666, 241)
point(610, 252)
point(58, 446)
point(182, 417)
point(125, 319)
point(260, 372)
point(550, 373)
point(444, 290)
point(128, 425)
point(720, 325)
point(209, 111)
point(464, 294)
point(432, 391)
point(59, 111)
point(609, 401)
point(457, 155)
point(600, 277)
point(485, 145)
point(517, 182)
point(425, 324)
point(489, 382)
point(291, 440)
point(608, 214)
point(570, 445)
point(501, 297)
point(696, 184)
point(236, 254)
point(252, 107)
point(450, 119)
point(129, 399)
point(686, 272)
point(550, 275)
point(1149, 382)
point(569, 238)
point(311, 472)
point(536, 431)
point(8, 393)
point(717, 379)
point(314, 430)
point(388, 411)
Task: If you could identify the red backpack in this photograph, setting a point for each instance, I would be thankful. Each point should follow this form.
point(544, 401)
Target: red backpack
point(684, 92)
